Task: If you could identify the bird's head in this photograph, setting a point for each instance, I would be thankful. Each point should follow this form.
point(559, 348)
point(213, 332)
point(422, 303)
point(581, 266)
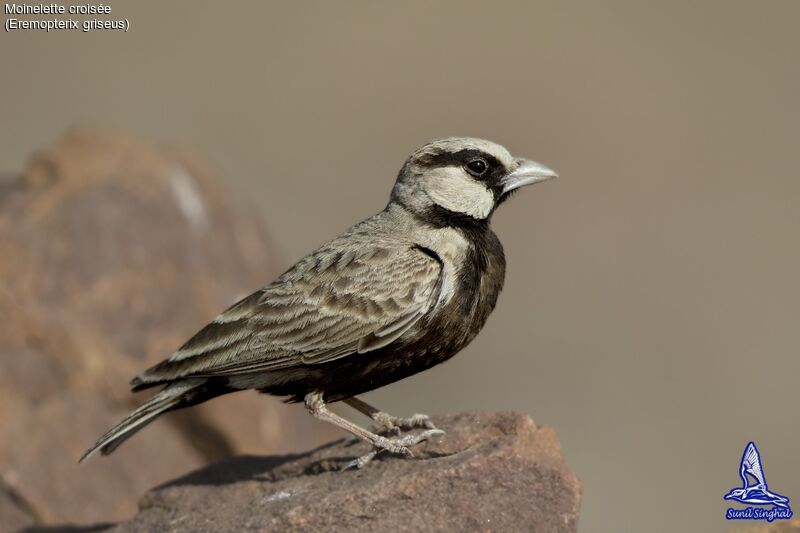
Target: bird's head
point(735, 494)
point(464, 176)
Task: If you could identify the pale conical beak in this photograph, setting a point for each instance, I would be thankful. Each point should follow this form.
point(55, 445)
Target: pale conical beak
point(527, 173)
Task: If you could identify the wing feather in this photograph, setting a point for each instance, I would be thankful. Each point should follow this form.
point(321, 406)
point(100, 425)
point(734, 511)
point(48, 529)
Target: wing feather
point(751, 462)
point(345, 298)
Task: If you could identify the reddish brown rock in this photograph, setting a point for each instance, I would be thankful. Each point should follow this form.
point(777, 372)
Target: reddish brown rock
point(491, 472)
point(113, 252)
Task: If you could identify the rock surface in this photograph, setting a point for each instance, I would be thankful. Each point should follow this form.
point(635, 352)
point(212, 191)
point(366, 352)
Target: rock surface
point(113, 252)
point(490, 472)
point(15, 514)
point(792, 526)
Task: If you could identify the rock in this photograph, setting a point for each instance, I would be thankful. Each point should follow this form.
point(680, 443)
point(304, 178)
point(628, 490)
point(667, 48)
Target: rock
point(490, 472)
point(114, 251)
point(15, 512)
point(792, 526)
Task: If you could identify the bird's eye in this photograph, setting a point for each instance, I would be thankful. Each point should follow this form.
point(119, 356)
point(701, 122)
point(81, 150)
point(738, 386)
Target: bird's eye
point(477, 167)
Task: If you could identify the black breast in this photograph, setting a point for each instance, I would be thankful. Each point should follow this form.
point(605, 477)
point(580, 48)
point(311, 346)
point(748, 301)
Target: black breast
point(479, 284)
point(443, 333)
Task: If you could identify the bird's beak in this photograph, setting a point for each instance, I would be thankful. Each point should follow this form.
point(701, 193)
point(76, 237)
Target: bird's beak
point(526, 173)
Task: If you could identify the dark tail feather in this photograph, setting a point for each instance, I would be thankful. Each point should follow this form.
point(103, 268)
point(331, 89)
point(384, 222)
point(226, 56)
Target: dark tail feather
point(174, 395)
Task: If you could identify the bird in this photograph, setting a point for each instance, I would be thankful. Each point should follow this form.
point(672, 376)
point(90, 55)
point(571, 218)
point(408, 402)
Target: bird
point(394, 295)
point(758, 493)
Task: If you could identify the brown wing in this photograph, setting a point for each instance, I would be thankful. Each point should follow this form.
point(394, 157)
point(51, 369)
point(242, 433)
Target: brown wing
point(345, 298)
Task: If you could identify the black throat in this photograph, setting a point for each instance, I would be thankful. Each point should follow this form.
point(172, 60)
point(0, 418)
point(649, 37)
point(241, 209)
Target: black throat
point(484, 244)
point(485, 254)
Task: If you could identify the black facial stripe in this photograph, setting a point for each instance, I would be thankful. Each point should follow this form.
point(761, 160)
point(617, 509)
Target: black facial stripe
point(492, 178)
point(457, 159)
point(439, 217)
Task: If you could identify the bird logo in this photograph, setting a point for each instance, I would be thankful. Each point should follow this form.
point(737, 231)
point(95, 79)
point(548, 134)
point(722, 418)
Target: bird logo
point(755, 491)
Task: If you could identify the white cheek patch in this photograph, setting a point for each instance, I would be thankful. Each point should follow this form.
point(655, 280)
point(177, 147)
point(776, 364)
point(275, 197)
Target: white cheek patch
point(456, 191)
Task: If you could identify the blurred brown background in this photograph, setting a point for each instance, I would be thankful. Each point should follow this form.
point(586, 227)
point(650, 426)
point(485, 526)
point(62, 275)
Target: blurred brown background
point(652, 301)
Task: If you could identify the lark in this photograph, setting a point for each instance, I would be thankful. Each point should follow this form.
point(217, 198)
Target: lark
point(396, 294)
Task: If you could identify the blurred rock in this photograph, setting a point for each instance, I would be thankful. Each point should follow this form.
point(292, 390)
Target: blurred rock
point(113, 252)
point(491, 472)
point(792, 526)
point(15, 512)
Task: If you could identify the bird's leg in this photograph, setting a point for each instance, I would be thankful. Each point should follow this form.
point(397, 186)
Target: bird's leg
point(316, 406)
point(392, 423)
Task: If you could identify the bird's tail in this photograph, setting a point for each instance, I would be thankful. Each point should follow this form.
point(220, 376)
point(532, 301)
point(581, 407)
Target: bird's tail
point(175, 395)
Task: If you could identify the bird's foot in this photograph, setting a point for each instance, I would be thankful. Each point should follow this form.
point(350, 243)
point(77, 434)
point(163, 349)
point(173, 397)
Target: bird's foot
point(396, 424)
point(397, 446)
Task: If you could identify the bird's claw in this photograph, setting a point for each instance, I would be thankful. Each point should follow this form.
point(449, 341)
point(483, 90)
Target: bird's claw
point(397, 446)
point(412, 439)
point(396, 424)
point(360, 461)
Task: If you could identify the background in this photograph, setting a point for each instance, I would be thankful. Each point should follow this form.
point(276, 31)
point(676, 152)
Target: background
point(652, 300)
